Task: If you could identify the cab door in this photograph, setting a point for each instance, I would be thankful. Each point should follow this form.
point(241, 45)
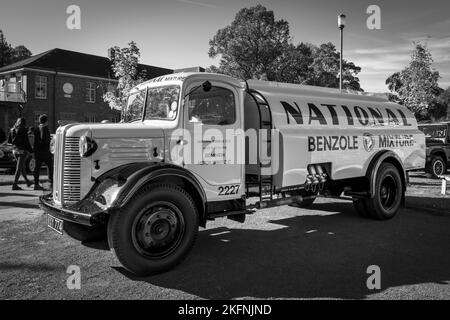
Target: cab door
point(214, 140)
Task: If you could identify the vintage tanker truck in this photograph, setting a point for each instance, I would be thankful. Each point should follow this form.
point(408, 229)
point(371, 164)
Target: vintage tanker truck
point(198, 146)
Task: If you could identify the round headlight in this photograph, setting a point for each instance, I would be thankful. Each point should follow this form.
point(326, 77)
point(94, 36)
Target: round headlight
point(87, 146)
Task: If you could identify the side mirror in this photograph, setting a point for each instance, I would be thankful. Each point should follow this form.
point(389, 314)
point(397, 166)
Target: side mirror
point(207, 86)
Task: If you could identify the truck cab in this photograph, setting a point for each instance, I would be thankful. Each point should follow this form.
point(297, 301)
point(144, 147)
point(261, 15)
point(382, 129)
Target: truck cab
point(200, 146)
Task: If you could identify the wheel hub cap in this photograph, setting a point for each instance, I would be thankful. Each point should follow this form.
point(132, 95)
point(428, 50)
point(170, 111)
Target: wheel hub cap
point(158, 227)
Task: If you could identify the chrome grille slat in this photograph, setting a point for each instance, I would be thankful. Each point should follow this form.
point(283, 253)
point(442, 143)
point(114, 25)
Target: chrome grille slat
point(71, 184)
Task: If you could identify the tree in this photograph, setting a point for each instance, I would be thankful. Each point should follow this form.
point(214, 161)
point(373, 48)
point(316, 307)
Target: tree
point(20, 53)
point(416, 86)
point(250, 47)
point(124, 62)
point(257, 46)
point(294, 64)
point(8, 54)
point(326, 69)
point(439, 107)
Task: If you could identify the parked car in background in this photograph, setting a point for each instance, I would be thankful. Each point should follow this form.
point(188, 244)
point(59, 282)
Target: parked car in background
point(7, 160)
point(438, 147)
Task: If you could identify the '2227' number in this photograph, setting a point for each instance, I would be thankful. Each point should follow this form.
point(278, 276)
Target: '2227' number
point(229, 190)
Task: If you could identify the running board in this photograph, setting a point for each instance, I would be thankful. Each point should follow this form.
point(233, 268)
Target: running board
point(278, 202)
point(229, 214)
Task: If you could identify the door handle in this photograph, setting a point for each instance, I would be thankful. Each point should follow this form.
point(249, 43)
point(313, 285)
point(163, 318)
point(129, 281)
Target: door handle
point(182, 142)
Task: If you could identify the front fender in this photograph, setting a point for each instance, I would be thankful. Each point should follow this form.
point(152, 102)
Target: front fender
point(115, 188)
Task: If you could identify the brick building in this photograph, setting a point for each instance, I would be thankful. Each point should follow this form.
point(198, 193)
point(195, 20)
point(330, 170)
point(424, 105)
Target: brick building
point(66, 85)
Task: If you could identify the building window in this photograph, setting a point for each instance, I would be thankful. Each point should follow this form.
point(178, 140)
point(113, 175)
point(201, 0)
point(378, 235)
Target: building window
point(90, 92)
point(40, 85)
point(90, 117)
point(67, 116)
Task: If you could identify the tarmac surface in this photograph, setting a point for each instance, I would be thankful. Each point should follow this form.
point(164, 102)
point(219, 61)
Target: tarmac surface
point(278, 253)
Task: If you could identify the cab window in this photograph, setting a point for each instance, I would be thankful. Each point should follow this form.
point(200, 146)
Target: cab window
point(215, 107)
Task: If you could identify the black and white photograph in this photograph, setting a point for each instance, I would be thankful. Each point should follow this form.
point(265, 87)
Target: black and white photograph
point(224, 156)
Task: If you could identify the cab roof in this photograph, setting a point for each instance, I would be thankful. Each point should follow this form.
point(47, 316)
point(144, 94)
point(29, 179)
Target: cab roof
point(183, 76)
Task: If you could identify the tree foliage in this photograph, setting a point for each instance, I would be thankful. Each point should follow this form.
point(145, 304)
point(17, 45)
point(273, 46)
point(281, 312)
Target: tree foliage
point(257, 46)
point(124, 62)
point(325, 69)
point(10, 54)
point(416, 86)
point(439, 106)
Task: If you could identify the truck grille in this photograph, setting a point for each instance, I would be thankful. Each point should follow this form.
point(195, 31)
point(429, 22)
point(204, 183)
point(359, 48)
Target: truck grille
point(71, 181)
point(57, 164)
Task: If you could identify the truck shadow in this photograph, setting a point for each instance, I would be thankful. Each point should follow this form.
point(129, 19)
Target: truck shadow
point(312, 256)
point(22, 205)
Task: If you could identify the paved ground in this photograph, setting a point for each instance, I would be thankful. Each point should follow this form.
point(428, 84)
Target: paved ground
point(278, 253)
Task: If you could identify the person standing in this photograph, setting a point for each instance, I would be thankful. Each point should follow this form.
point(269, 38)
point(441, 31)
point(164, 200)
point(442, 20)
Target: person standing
point(42, 152)
point(18, 137)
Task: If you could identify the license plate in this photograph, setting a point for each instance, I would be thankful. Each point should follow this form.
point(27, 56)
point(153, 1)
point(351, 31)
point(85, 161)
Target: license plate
point(55, 224)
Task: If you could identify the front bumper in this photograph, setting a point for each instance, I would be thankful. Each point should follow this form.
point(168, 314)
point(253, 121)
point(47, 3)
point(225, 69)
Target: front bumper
point(82, 213)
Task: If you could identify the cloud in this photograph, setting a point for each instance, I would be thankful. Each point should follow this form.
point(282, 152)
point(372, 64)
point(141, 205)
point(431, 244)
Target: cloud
point(380, 62)
point(196, 3)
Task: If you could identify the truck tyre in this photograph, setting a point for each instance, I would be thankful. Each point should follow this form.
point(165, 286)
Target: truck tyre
point(438, 167)
point(85, 233)
point(361, 207)
point(155, 230)
point(388, 193)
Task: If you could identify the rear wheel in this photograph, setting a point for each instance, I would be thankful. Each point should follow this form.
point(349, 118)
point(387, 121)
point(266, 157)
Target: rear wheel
point(438, 167)
point(155, 231)
point(388, 193)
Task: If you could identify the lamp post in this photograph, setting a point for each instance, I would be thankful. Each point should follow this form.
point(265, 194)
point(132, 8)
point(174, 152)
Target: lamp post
point(341, 25)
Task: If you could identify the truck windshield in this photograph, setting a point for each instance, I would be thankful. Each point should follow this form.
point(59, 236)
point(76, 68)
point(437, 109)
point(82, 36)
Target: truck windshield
point(162, 104)
point(135, 106)
point(434, 132)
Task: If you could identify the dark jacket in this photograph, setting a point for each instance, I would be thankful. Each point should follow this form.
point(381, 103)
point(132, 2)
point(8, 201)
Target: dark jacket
point(18, 137)
point(41, 139)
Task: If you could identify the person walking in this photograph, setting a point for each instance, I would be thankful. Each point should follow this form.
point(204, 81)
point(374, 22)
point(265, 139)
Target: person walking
point(18, 137)
point(42, 152)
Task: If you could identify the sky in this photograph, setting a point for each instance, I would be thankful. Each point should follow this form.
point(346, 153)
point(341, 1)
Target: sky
point(176, 33)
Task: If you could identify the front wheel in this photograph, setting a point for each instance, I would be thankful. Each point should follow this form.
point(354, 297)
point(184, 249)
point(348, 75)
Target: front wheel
point(155, 231)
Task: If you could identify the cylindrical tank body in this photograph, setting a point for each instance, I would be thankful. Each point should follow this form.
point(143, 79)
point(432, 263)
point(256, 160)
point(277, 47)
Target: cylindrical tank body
point(314, 125)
